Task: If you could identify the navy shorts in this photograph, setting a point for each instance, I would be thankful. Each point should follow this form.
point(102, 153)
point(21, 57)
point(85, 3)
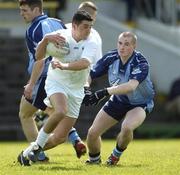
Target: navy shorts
point(118, 110)
point(39, 94)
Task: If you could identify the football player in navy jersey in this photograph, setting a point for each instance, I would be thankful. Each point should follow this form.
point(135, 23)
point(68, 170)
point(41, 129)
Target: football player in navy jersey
point(131, 97)
point(34, 92)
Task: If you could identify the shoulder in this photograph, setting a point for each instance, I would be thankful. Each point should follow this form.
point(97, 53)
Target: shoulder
point(63, 32)
point(69, 25)
point(111, 56)
point(55, 20)
point(52, 21)
point(94, 33)
point(95, 37)
point(139, 58)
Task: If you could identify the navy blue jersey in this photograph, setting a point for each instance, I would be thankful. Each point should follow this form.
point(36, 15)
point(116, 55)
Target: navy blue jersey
point(136, 68)
point(40, 26)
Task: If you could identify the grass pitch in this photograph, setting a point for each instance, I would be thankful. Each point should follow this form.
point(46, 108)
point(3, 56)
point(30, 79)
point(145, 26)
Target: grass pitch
point(143, 157)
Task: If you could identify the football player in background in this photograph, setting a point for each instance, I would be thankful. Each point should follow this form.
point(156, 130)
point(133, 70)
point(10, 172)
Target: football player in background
point(94, 36)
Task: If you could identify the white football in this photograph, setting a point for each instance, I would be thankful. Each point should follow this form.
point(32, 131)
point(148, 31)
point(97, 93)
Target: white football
point(58, 52)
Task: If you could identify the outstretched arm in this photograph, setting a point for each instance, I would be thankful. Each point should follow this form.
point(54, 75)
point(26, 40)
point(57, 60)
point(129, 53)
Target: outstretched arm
point(124, 88)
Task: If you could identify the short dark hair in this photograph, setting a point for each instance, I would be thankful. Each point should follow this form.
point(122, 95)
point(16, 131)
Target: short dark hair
point(32, 3)
point(80, 16)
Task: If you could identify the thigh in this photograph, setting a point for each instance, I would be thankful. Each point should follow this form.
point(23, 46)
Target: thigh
point(63, 128)
point(116, 109)
point(26, 108)
point(134, 118)
point(74, 105)
point(56, 95)
point(102, 122)
point(59, 102)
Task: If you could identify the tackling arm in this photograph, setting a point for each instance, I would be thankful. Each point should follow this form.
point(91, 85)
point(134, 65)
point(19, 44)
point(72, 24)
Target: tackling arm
point(124, 88)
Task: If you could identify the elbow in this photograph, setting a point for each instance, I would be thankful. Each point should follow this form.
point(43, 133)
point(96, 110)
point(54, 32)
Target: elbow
point(85, 64)
point(38, 56)
point(133, 85)
point(131, 88)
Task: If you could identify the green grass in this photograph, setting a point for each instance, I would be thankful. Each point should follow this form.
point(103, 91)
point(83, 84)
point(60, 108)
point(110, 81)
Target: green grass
point(143, 157)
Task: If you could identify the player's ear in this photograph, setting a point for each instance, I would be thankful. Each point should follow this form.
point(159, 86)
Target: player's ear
point(74, 25)
point(36, 10)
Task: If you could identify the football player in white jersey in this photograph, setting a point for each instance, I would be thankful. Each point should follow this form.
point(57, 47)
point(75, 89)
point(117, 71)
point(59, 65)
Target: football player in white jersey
point(79, 146)
point(94, 36)
point(65, 82)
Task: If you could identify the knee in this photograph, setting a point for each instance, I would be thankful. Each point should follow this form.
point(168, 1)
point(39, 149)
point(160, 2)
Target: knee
point(92, 134)
point(126, 129)
point(61, 112)
point(25, 114)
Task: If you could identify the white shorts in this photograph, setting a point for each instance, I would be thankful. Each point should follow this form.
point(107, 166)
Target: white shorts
point(74, 97)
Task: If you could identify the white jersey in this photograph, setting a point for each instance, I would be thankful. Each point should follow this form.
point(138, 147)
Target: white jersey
point(94, 37)
point(73, 80)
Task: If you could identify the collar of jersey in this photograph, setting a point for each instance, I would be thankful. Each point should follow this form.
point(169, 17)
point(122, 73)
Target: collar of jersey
point(123, 66)
point(38, 18)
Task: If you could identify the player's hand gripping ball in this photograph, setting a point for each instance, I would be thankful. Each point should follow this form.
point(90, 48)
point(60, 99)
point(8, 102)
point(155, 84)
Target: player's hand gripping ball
point(57, 51)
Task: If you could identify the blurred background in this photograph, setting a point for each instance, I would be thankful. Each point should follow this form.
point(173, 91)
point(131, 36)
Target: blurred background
point(157, 26)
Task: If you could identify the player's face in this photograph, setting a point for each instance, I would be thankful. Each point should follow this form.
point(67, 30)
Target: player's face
point(125, 47)
point(83, 30)
point(27, 13)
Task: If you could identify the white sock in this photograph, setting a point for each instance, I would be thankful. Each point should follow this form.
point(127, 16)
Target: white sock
point(42, 138)
point(28, 149)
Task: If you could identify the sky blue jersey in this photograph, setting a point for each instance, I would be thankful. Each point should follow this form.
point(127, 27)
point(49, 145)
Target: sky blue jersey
point(136, 68)
point(40, 26)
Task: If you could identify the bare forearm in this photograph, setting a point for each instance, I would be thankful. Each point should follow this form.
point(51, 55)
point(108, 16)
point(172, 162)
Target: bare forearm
point(37, 70)
point(124, 88)
point(75, 65)
point(41, 49)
